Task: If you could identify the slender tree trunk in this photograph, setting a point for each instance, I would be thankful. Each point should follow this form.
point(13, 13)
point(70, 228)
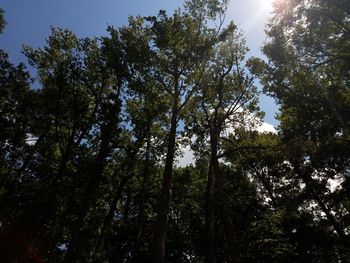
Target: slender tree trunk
point(161, 223)
point(230, 228)
point(95, 176)
point(209, 222)
point(108, 219)
point(97, 251)
point(142, 202)
point(94, 179)
point(74, 248)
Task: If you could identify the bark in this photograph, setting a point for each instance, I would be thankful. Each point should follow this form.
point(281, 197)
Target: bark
point(142, 202)
point(162, 217)
point(56, 190)
point(94, 180)
point(210, 226)
point(108, 219)
point(230, 228)
point(75, 248)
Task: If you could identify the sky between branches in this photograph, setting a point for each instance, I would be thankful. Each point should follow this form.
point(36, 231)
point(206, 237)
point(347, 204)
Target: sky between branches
point(28, 22)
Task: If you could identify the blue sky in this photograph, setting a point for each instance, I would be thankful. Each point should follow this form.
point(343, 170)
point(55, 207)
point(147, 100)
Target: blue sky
point(29, 21)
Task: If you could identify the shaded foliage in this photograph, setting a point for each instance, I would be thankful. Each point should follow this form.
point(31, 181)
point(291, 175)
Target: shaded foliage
point(88, 161)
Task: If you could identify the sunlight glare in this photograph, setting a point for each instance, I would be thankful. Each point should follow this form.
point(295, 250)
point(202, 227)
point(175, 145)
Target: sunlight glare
point(267, 4)
point(263, 9)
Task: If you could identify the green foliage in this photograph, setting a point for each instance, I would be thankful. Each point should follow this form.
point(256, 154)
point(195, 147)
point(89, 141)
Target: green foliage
point(307, 73)
point(85, 158)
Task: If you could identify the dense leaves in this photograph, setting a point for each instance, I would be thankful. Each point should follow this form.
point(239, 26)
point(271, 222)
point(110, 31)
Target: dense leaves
point(89, 160)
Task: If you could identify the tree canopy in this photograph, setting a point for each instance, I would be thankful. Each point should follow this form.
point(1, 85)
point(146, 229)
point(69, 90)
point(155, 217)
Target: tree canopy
point(89, 160)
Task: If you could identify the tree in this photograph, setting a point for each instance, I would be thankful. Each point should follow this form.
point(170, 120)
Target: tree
point(226, 100)
point(179, 46)
point(307, 75)
point(16, 111)
point(178, 58)
point(88, 160)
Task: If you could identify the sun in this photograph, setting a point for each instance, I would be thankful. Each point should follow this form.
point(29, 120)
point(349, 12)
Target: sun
point(267, 4)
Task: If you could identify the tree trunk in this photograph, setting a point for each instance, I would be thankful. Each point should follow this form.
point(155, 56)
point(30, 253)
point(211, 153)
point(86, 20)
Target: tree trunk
point(108, 132)
point(108, 219)
point(229, 226)
point(162, 217)
point(209, 222)
point(142, 202)
point(89, 197)
point(74, 248)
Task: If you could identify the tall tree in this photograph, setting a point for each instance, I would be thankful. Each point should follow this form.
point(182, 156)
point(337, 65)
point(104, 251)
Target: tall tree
point(17, 108)
point(180, 45)
point(226, 100)
point(308, 74)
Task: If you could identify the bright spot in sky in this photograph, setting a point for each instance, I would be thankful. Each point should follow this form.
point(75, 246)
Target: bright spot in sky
point(261, 10)
point(267, 4)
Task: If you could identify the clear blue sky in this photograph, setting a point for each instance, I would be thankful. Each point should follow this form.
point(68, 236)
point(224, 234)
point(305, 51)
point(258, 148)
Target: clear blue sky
point(29, 21)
